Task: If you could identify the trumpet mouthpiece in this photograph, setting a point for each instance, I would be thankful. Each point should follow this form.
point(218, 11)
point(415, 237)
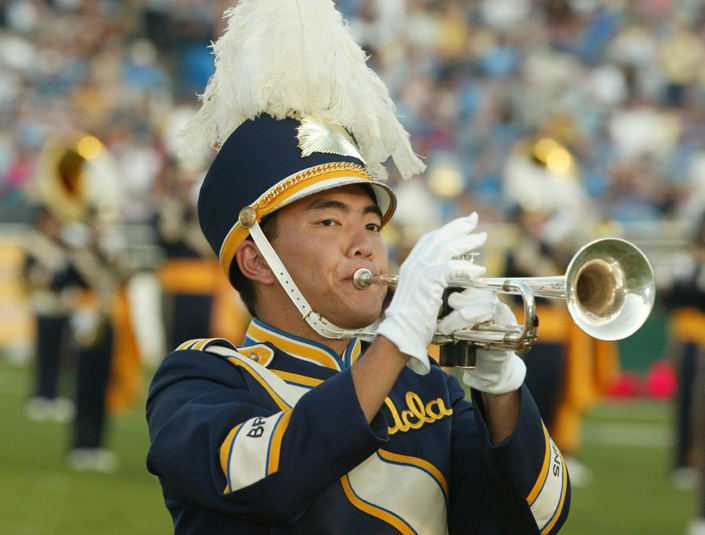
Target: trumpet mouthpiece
point(362, 279)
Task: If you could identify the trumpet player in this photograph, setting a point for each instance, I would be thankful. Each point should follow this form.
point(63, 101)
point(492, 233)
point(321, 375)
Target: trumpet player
point(308, 425)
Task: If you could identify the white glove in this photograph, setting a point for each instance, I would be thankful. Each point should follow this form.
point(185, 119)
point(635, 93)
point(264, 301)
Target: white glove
point(471, 306)
point(412, 316)
point(496, 371)
point(85, 323)
point(76, 235)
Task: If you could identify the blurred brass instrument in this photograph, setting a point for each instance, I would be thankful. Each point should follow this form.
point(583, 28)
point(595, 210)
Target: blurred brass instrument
point(78, 180)
point(608, 288)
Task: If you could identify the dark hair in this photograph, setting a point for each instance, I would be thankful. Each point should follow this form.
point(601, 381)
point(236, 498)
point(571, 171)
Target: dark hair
point(244, 286)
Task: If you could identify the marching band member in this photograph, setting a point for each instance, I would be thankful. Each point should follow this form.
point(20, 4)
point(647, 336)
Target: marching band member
point(189, 273)
point(684, 298)
point(53, 287)
point(304, 427)
point(75, 263)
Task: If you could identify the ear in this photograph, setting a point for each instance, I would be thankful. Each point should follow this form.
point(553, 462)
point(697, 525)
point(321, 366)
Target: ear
point(252, 263)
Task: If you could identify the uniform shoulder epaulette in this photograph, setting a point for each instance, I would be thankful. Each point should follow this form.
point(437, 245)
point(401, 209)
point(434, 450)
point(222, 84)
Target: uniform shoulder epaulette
point(259, 353)
point(201, 344)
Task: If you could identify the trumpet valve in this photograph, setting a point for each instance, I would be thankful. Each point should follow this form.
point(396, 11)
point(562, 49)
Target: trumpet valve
point(469, 256)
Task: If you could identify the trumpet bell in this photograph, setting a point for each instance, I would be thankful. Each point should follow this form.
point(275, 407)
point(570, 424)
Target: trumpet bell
point(609, 289)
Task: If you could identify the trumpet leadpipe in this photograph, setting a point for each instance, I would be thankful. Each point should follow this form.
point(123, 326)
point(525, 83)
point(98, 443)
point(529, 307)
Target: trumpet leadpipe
point(363, 279)
point(553, 287)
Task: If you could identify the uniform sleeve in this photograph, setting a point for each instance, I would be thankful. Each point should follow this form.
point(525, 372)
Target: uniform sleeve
point(519, 486)
point(220, 442)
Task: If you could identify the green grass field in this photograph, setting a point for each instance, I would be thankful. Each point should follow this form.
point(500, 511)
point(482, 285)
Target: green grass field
point(626, 446)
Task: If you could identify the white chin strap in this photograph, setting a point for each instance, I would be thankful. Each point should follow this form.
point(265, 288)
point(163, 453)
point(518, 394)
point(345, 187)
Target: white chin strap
point(317, 322)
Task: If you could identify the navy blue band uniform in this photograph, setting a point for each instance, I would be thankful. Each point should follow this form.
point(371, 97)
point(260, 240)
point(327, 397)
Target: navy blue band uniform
point(269, 437)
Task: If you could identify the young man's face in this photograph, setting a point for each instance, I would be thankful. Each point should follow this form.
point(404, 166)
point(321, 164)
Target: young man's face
point(323, 240)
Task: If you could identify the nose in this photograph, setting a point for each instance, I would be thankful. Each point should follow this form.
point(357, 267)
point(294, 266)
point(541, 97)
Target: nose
point(360, 243)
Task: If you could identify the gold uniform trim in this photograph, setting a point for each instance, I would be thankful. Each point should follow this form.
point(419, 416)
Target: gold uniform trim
point(293, 347)
point(688, 325)
point(285, 190)
point(544, 470)
point(225, 454)
point(374, 510)
point(298, 379)
point(419, 463)
point(276, 444)
point(559, 509)
point(192, 276)
point(283, 405)
point(260, 353)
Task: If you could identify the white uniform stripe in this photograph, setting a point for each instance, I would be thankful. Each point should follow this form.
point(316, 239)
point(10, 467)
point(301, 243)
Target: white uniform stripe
point(299, 389)
point(249, 452)
point(289, 394)
point(546, 504)
point(230, 456)
point(417, 497)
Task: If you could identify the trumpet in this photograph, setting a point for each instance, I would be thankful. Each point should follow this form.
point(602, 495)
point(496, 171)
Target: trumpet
point(608, 288)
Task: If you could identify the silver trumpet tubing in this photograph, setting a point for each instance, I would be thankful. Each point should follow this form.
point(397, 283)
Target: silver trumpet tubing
point(608, 288)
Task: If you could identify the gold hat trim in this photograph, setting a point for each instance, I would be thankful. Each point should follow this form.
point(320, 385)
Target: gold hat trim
point(278, 195)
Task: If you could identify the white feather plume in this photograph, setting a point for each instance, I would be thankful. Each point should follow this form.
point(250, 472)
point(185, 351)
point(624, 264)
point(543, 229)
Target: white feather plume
point(296, 58)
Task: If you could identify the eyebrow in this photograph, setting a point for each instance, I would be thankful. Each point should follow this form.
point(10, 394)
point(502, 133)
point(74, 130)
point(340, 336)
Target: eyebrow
point(323, 204)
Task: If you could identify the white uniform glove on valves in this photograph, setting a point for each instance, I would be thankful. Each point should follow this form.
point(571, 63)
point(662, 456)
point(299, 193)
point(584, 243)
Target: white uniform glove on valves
point(412, 316)
point(496, 371)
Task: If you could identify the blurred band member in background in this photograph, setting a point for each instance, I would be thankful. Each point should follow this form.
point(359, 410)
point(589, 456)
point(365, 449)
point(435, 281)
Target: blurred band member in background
point(685, 300)
point(567, 370)
point(74, 265)
point(189, 272)
point(53, 287)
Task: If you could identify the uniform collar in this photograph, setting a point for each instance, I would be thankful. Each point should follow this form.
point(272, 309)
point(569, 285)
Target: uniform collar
point(302, 348)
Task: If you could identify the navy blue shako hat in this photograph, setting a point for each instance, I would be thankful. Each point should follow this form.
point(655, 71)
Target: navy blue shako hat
point(293, 109)
point(261, 166)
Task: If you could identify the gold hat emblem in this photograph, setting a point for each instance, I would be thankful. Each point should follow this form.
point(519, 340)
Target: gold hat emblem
point(321, 135)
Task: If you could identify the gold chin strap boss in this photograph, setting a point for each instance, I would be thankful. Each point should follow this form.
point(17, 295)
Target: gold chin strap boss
point(247, 217)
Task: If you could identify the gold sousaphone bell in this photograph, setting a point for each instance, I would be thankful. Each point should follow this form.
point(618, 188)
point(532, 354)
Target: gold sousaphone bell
point(608, 288)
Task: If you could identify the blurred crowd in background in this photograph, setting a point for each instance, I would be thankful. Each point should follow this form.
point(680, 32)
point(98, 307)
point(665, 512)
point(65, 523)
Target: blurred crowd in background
point(558, 121)
point(620, 85)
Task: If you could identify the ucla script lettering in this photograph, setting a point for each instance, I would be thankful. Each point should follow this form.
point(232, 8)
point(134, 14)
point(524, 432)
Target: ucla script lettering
point(416, 414)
